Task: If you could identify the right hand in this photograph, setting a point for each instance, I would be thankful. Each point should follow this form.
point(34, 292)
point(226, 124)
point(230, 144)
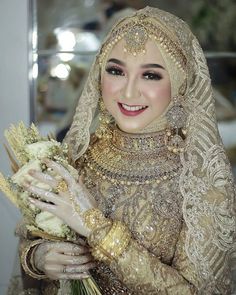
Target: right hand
point(63, 260)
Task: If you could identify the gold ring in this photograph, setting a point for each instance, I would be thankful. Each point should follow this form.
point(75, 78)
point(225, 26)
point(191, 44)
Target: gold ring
point(62, 186)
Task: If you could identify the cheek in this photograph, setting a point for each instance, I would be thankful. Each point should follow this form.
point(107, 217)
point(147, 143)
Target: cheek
point(158, 94)
point(110, 87)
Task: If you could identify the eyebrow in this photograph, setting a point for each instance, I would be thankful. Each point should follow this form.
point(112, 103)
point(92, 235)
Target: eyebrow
point(145, 66)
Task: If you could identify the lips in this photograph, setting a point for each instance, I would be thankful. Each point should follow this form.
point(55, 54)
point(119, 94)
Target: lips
point(133, 110)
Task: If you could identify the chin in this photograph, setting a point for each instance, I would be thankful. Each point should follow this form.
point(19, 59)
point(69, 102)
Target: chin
point(130, 128)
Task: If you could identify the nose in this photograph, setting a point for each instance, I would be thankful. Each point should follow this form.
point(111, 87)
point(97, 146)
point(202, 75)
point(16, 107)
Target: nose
point(131, 90)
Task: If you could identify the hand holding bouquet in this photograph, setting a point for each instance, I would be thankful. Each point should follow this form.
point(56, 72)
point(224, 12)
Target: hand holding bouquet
point(46, 188)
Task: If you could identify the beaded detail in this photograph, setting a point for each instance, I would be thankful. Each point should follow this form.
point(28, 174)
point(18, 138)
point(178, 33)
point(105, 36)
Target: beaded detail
point(112, 158)
point(142, 30)
point(136, 39)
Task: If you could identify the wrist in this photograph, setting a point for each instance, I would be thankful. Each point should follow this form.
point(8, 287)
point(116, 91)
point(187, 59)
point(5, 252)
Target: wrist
point(108, 238)
point(27, 260)
point(115, 242)
point(94, 219)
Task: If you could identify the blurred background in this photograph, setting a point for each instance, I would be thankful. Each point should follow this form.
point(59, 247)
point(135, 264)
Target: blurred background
point(46, 53)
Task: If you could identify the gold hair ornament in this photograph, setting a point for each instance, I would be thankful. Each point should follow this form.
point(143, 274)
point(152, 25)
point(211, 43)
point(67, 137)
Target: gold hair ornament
point(136, 33)
point(135, 40)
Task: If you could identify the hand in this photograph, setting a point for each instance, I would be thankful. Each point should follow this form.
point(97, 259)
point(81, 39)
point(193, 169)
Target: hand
point(63, 260)
point(68, 205)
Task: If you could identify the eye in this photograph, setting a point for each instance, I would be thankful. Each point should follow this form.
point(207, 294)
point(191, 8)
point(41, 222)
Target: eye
point(152, 76)
point(114, 71)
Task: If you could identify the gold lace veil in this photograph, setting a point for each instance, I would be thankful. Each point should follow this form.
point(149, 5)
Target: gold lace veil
point(206, 181)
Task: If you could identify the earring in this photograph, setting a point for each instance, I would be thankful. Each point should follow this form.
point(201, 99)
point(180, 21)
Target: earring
point(103, 130)
point(176, 118)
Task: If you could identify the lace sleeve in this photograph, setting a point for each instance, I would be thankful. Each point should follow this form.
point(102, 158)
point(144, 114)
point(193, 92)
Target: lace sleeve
point(144, 273)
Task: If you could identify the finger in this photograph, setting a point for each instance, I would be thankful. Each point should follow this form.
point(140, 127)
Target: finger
point(65, 247)
point(73, 276)
point(55, 271)
point(80, 242)
point(42, 205)
point(59, 169)
point(79, 268)
point(46, 195)
point(44, 177)
point(74, 260)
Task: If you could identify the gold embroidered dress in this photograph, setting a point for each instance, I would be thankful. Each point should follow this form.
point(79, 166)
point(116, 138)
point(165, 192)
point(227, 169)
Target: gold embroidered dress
point(179, 208)
point(131, 167)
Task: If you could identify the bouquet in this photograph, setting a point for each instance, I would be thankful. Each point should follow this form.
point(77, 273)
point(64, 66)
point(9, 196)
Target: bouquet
point(27, 149)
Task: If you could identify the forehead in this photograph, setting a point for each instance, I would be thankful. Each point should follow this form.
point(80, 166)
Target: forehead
point(152, 53)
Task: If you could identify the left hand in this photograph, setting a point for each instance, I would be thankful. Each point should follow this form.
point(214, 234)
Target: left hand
point(67, 205)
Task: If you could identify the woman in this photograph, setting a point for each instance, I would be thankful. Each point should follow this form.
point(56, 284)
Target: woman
point(155, 201)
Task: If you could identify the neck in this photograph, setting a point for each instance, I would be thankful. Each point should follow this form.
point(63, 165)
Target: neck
point(157, 125)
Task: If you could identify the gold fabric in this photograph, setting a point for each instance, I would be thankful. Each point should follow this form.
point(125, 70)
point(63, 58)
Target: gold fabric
point(152, 212)
point(205, 182)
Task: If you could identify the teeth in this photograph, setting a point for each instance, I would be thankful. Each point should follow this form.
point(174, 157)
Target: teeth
point(132, 108)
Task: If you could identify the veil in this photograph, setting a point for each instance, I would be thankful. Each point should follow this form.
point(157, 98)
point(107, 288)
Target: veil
point(206, 180)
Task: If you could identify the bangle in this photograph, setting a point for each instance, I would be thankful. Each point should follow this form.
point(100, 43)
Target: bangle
point(114, 243)
point(28, 263)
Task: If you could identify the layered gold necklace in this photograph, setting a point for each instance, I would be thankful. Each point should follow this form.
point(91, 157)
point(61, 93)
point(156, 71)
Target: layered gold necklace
point(132, 158)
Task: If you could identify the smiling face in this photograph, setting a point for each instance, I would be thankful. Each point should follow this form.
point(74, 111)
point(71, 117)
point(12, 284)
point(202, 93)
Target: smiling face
point(135, 89)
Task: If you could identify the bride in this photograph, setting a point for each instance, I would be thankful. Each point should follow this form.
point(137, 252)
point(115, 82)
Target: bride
point(155, 200)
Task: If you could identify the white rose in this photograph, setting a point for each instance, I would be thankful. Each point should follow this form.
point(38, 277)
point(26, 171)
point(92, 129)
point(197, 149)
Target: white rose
point(41, 149)
point(51, 224)
point(22, 174)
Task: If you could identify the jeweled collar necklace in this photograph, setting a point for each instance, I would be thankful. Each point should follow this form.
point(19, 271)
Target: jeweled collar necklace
point(132, 158)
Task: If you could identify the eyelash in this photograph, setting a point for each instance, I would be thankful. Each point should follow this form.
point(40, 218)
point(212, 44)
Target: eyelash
point(147, 75)
point(152, 76)
point(114, 71)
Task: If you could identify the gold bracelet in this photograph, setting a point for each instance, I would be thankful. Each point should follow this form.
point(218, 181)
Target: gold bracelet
point(28, 264)
point(31, 259)
point(94, 218)
point(114, 243)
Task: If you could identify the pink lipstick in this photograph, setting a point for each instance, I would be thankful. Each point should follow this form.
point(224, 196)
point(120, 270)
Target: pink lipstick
point(129, 112)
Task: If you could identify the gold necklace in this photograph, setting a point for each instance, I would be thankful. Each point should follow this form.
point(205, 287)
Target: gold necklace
point(132, 158)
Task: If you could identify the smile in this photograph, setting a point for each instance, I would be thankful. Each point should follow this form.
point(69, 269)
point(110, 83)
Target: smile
point(133, 110)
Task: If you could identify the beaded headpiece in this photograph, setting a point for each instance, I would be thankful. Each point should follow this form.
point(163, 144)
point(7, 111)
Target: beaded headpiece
point(135, 40)
point(136, 33)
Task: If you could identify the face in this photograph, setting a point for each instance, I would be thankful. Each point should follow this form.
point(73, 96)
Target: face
point(135, 89)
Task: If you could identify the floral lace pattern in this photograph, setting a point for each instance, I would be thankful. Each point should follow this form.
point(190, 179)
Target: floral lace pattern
point(206, 181)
